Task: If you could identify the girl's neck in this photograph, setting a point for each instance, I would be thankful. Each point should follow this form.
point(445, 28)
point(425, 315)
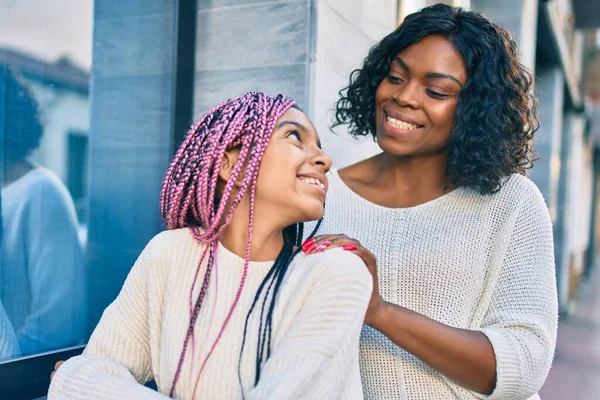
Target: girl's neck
point(266, 242)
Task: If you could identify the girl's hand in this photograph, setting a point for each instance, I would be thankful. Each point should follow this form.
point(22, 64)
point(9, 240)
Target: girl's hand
point(326, 242)
point(56, 367)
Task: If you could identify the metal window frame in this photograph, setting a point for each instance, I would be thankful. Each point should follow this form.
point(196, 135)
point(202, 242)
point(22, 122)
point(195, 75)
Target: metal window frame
point(29, 377)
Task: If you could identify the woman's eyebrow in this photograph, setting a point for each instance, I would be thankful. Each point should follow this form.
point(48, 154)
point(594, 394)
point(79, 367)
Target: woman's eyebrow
point(429, 74)
point(401, 63)
point(443, 76)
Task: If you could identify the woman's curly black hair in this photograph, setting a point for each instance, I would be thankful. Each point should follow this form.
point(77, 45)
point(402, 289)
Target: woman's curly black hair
point(20, 129)
point(496, 115)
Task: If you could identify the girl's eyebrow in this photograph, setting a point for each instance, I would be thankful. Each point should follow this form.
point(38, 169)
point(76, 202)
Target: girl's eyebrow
point(298, 125)
point(288, 122)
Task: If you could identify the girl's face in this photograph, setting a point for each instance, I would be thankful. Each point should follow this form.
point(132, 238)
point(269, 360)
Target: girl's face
point(291, 182)
point(416, 103)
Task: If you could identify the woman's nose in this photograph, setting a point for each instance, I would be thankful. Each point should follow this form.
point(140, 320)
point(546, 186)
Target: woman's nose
point(407, 96)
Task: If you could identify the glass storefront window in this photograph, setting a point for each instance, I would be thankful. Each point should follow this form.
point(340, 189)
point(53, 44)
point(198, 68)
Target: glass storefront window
point(45, 61)
point(84, 144)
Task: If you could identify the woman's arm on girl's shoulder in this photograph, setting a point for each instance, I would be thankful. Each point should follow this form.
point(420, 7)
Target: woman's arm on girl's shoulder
point(117, 360)
point(313, 358)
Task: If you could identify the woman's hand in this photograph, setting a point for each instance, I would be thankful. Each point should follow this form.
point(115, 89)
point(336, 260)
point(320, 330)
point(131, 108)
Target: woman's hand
point(326, 242)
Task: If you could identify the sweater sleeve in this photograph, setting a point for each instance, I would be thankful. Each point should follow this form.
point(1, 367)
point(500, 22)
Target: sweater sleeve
point(116, 362)
point(521, 323)
point(320, 348)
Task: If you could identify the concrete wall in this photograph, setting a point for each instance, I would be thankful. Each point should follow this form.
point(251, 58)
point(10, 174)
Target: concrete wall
point(245, 45)
point(344, 32)
point(520, 18)
point(547, 142)
point(579, 194)
point(130, 137)
point(575, 196)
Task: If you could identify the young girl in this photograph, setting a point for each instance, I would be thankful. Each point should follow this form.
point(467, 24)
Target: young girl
point(221, 305)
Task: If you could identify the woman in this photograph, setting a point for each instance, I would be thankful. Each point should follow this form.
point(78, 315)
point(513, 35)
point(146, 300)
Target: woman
point(205, 311)
point(457, 239)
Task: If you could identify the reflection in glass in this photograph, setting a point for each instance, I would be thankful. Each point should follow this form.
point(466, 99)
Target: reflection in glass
point(42, 287)
point(9, 347)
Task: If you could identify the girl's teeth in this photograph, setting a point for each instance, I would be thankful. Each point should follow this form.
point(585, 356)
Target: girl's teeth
point(313, 181)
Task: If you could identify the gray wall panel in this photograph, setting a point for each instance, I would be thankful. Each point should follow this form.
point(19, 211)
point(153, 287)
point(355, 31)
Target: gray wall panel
point(130, 138)
point(205, 4)
point(104, 9)
point(248, 45)
point(213, 87)
point(133, 45)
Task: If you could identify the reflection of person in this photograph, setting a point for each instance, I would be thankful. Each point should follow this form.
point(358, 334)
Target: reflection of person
point(466, 302)
point(9, 348)
point(201, 319)
point(42, 271)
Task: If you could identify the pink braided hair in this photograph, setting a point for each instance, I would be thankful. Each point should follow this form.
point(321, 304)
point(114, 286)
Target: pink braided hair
point(189, 192)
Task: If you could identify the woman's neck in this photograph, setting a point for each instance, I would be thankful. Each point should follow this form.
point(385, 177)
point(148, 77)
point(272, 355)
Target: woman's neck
point(399, 182)
point(422, 173)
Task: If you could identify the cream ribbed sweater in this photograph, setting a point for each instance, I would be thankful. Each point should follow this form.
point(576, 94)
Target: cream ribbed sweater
point(316, 329)
point(467, 260)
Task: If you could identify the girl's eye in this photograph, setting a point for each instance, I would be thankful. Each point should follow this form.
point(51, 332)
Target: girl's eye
point(436, 95)
point(294, 134)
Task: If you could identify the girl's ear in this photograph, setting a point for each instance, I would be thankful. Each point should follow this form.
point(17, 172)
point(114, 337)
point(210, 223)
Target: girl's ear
point(230, 158)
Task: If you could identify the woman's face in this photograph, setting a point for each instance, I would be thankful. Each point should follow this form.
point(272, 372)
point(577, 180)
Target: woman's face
point(416, 103)
point(291, 179)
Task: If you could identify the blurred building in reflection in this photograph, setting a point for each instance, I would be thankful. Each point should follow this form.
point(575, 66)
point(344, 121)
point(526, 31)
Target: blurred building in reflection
point(62, 92)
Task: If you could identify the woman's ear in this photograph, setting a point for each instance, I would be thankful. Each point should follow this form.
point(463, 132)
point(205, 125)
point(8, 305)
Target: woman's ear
point(230, 158)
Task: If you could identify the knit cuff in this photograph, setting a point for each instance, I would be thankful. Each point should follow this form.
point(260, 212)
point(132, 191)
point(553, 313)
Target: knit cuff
point(95, 377)
point(508, 371)
point(60, 382)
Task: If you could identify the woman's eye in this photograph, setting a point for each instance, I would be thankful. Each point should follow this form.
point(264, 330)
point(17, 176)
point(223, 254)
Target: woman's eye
point(436, 95)
point(395, 79)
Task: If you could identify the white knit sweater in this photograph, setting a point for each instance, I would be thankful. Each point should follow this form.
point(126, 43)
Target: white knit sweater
point(467, 260)
point(316, 329)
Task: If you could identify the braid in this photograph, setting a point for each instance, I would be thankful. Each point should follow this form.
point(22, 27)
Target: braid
point(272, 281)
point(189, 192)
